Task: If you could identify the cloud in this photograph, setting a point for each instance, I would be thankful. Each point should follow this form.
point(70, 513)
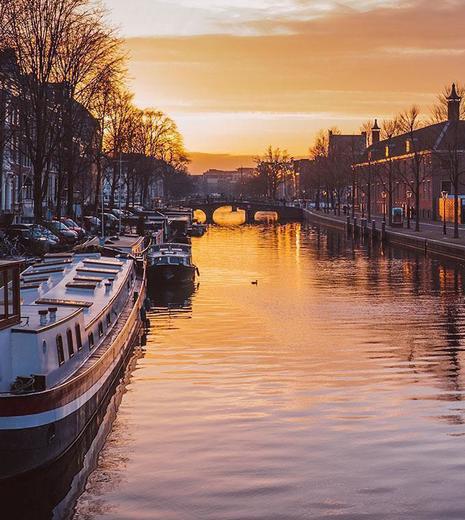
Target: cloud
point(357, 60)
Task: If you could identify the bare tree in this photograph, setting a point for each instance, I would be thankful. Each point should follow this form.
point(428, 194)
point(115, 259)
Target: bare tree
point(274, 168)
point(409, 122)
point(62, 47)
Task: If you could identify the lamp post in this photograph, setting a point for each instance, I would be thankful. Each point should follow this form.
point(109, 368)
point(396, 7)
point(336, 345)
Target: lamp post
point(335, 202)
point(325, 197)
point(384, 195)
point(444, 195)
point(363, 204)
point(409, 197)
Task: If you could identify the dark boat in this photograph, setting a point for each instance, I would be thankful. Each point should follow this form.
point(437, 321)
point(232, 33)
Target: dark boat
point(170, 264)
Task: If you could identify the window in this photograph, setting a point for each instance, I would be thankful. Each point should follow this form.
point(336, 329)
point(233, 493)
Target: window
point(100, 329)
point(407, 146)
point(91, 341)
point(386, 151)
point(78, 336)
point(108, 320)
point(69, 338)
point(60, 350)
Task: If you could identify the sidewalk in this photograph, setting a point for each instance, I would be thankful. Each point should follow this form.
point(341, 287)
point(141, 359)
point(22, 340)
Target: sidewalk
point(429, 238)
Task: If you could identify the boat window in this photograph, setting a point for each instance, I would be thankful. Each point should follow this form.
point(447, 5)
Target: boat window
point(60, 350)
point(78, 336)
point(9, 295)
point(108, 320)
point(91, 341)
point(69, 338)
point(100, 329)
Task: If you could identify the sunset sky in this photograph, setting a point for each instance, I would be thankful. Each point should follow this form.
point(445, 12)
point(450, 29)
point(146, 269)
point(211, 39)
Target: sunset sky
point(238, 75)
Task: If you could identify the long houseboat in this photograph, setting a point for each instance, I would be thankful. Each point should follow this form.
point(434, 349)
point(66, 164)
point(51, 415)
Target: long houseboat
point(67, 326)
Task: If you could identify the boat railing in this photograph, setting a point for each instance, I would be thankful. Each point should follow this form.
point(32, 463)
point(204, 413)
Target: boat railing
point(185, 248)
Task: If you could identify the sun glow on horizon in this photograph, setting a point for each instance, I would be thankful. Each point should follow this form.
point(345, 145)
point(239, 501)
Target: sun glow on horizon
point(239, 75)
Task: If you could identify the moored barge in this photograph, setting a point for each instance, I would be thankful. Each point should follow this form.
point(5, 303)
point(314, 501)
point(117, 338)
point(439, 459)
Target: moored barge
point(67, 327)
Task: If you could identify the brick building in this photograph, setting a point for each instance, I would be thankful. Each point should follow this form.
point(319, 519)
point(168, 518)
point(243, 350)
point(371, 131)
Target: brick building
point(431, 156)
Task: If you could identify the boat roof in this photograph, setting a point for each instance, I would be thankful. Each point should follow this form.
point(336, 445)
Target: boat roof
point(73, 283)
point(123, 243)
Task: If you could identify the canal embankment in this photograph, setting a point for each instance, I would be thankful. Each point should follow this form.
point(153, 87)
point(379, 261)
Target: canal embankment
point(429, 239)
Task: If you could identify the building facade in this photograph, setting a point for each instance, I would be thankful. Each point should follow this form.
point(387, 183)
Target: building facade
point(425, 163)
point(67, 178)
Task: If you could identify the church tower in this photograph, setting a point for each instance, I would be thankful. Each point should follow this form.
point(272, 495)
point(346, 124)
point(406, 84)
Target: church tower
point(453, 105)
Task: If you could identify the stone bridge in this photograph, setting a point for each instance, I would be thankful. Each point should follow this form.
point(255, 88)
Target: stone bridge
point(285, 213)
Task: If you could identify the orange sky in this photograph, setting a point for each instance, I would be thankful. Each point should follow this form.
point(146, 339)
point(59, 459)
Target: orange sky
point(239, 75)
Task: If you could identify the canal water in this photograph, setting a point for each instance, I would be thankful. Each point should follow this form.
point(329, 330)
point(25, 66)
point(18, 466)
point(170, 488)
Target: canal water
point(306, 377)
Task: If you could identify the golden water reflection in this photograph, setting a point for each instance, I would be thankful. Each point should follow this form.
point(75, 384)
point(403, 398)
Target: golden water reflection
point(307, 376)
point(200, 216)
point(225, 216)
point(266, 216)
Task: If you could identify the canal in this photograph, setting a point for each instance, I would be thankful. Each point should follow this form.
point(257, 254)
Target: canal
point(306, 377)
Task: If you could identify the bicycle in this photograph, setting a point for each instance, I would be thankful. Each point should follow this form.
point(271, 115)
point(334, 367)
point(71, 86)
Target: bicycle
point(11, 248)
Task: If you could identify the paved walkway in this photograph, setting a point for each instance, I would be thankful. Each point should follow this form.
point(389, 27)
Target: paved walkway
point(428, 230)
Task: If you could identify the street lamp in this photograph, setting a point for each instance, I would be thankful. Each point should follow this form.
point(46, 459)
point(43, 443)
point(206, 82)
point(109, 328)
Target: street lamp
point(444, 195)
point(384, 195)
point(325, 197)
point(335, 202)
point(363, 204)
point(409, 197)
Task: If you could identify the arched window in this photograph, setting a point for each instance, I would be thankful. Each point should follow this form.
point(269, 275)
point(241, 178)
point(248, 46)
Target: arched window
point(69, 338)
point(78, 336)
point(91, 341)
point(60, 350)
point(108, 319)
point(100, 329)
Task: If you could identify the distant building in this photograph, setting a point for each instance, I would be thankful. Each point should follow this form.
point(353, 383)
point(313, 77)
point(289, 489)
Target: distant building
point(225, 183)
point(346, 145)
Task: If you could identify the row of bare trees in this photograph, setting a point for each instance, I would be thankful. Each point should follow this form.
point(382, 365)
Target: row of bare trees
point(332, 173)
point(61, 61)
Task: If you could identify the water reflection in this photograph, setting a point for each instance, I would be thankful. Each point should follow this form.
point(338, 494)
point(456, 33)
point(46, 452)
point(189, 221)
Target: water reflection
point(225, 216)
point(331, 389)
point(51, 492)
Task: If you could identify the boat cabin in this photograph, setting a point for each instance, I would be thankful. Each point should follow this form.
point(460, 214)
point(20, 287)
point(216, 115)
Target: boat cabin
point(10, 308)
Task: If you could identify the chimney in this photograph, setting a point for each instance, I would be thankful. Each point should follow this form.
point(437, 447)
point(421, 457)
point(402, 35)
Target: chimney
point(453, 105)
point(375, 133)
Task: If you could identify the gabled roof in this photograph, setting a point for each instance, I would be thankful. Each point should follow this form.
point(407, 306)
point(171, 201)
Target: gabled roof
point(440, 136)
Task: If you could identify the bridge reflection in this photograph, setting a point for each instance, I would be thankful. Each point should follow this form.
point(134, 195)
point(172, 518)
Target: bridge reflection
point(208, 211)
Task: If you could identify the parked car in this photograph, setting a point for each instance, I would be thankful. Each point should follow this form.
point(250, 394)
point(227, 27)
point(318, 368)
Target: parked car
point(62, 231)
point(92, 224)
point(36, 239)
point(120, 212)
point(111, 221)
point(71, 224)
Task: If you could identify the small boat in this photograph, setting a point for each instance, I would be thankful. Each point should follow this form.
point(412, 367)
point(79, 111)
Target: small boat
point(197, 230)
point(67, 327)
point(170, 263)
